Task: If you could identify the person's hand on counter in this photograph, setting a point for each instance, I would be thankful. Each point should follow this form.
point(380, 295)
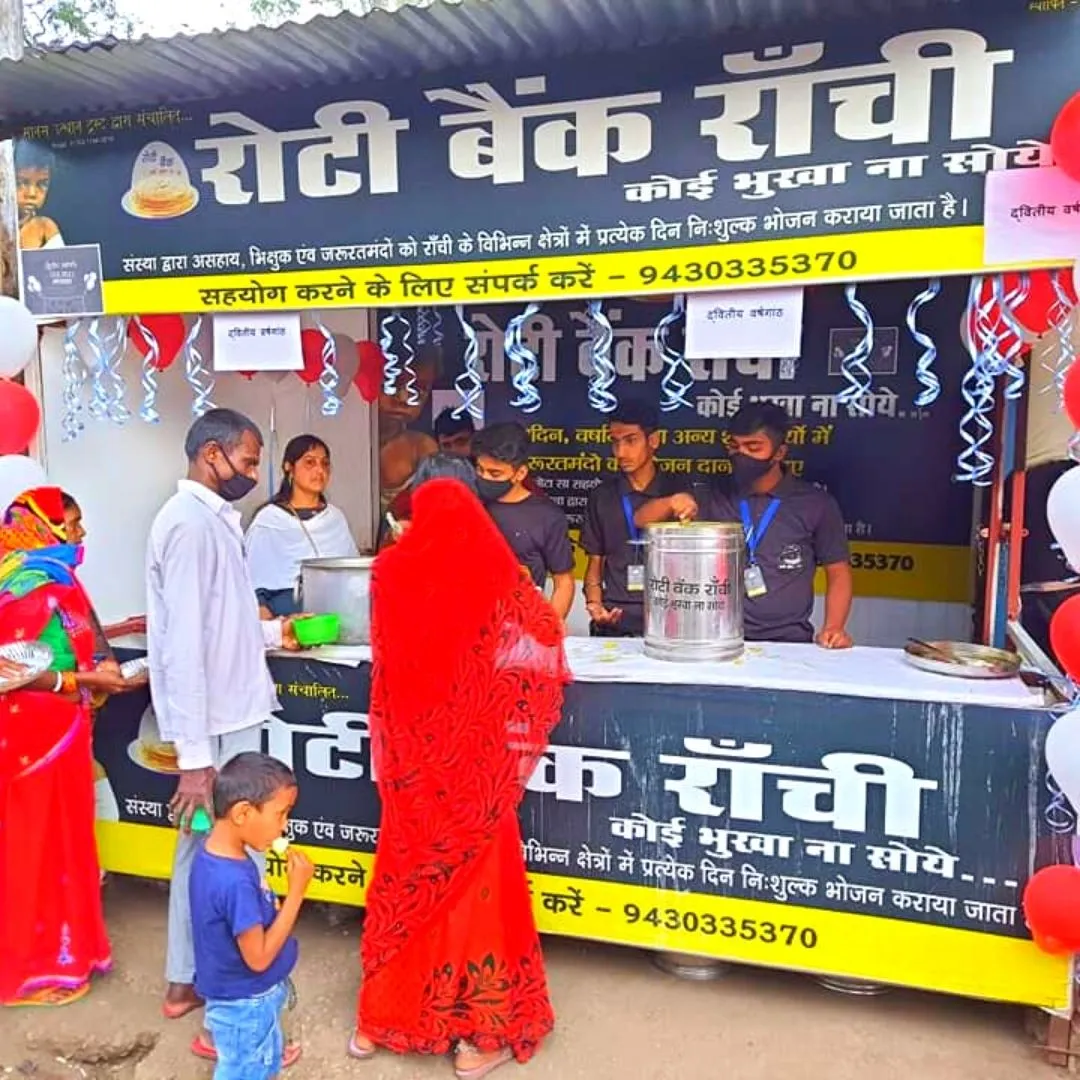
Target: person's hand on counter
point(288, 632)
point(603, 616)
point(834, 638)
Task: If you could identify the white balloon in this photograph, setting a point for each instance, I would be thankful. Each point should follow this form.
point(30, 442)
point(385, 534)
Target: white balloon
point(18, 337)
point(1063, 755)
point(18, 474)
point(1063, 515)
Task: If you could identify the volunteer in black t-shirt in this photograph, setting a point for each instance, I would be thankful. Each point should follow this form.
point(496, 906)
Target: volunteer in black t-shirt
point(534, 527)
point(791, 528)
point(615, 576)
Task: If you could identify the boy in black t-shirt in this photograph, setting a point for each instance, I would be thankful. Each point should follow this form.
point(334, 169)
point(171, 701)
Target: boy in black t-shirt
point(534, 527)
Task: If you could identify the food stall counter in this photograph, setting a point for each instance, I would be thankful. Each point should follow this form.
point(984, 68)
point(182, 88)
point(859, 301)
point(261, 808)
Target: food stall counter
point(839, 813)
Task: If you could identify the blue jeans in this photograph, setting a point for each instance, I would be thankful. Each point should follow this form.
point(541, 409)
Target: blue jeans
point(248, 1036)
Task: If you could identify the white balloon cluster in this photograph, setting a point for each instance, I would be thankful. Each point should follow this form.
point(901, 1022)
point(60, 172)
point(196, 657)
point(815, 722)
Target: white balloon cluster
point(18, 337)
point(1063, 515)
point(18, 474)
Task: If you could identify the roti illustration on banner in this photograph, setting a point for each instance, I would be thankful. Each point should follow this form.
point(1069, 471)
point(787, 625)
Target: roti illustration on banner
point(160, 185)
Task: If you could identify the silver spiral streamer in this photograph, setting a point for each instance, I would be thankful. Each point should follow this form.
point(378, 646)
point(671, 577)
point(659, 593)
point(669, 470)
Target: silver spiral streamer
point(328, 380)
point(924, 367)
point(148, 410)
point(1063, 320)
point(115, 346)
point(524, 365)
point(196, 374)
point(99, 391)
point(391, 371)
point(470, 383)
point(974, 464)
point(1005, 338)
point(603, 374)
point(678, 378)
point(854, 366)
point(75, 374)
point(408, 362)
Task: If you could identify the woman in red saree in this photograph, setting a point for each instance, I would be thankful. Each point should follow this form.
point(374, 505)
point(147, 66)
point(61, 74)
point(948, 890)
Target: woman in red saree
point(467, 685)
point(52, 932)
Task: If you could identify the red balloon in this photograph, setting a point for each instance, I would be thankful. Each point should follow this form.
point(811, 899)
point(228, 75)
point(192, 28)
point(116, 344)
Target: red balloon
point(169, 331)
point(1065, 138)
point(20, 417)
point(1052, 908)
point(311, 345)
point(368, 377)
point(1065, 636)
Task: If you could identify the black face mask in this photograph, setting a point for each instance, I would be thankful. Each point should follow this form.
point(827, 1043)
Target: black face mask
point(747, 471)
point(235, 487)
point(493, 490)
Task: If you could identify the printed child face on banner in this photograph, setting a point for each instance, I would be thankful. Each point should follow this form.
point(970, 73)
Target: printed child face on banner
point(33, 178)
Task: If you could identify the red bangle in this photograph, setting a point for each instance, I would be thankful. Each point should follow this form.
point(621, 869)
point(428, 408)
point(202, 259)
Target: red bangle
point(68, 685)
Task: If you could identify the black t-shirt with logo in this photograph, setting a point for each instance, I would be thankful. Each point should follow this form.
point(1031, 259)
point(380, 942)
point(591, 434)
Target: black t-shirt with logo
point(538, 532)
point(807, 532)
point(606, 532)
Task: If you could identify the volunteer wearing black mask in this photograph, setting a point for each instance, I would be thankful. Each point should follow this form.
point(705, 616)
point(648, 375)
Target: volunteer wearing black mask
point(534, 527)
point(791, 529)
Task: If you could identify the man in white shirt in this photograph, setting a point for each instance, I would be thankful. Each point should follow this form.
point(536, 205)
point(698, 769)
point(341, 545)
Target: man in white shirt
point(211, 688)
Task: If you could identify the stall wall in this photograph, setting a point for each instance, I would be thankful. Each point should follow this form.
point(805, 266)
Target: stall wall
point(122, 475)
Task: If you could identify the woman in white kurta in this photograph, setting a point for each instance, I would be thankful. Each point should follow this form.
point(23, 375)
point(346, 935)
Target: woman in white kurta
point(297, 524)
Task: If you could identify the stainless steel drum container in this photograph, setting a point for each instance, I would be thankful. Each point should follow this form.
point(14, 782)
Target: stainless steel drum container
point(694, 591)
point(340, 587)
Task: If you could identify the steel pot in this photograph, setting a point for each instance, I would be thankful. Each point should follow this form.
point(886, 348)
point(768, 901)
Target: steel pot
point(340, 587)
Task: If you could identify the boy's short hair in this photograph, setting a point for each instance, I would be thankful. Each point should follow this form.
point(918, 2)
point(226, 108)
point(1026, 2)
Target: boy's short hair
point(250, 777)
point(447, 424)
point(764, 416)
point(505, 443)
point(445, 467)
point(636, 413)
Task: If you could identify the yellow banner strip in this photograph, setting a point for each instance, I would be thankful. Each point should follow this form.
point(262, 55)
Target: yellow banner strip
point(753, 932)
point(807, 260)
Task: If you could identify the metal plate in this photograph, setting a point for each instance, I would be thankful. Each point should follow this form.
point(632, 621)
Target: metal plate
point(969, 661)
point(33, 659)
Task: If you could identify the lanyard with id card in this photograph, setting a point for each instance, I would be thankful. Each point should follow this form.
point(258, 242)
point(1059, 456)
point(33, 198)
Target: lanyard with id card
point(753, 577)
point(635, 572)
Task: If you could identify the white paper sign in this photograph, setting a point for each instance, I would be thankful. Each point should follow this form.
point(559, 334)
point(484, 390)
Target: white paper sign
point(744, 323)
point(1031, 216)
point(262, 342)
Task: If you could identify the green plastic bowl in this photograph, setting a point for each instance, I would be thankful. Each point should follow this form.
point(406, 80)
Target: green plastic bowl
point(317, 630)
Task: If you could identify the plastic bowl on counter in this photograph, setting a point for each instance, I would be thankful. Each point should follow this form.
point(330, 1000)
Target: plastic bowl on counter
point(317, 630)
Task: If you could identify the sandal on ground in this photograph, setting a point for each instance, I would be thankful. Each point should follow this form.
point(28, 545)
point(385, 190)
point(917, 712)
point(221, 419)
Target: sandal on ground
point(177, 1010)
point(361, 1053)
point(503, 1057)
point(52, 997)
point(202, 1049)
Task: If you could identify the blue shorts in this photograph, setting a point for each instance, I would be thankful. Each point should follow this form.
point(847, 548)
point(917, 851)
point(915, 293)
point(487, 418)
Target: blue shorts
point(247, 1035)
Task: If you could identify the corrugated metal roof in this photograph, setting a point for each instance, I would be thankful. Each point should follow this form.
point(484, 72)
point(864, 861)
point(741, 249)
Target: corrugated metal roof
point(420, 36)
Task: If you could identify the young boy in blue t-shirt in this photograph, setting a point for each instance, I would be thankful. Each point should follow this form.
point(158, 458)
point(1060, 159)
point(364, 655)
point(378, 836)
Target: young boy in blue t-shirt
point(244, 951)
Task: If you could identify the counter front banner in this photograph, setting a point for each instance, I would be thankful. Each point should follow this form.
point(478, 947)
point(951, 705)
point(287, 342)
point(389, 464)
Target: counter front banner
point(866, 838)
point(843, 152)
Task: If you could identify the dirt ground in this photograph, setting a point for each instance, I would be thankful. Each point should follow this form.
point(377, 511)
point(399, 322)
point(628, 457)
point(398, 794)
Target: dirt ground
point(619, 1018)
